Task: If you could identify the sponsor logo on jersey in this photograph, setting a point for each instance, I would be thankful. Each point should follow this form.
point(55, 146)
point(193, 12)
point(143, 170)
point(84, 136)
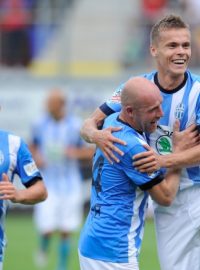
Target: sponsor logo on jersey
point(116, 97)
point(30, 168)
point(1, 157)
point(164, 145)
point(179, 111)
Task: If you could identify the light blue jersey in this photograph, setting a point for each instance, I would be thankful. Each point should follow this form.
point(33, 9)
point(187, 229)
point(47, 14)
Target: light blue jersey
point(182, 103)
point(15, 158)
point(114, 227)
point(61, 174)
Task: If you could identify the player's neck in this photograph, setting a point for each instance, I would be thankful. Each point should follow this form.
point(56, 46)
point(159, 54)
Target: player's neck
point(169, 83)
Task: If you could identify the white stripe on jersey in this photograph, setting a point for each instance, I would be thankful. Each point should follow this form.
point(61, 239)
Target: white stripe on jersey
point(194, 93)
point(14, 144)
point(135, 223)
point(178, 96)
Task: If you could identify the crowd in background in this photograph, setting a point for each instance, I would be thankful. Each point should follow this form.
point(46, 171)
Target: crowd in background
point(27, 25)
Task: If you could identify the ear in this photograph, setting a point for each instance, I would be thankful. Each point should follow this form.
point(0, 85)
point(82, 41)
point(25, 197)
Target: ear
point(153, 51)
point(129, 110)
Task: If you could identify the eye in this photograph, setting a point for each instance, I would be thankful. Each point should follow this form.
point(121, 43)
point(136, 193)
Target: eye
point(172, 45)
point(186, 45)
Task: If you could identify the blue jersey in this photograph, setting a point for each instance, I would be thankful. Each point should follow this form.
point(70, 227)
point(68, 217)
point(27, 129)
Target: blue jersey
point(182, 103)
point(52, 138)
point(15, 158)
point(114, 227)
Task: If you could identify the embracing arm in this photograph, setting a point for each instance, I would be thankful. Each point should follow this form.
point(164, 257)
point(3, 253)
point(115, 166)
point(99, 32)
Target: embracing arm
point(186, 152)
point(90, 126)
point(187, 158)
point(102, 138)
point(165, 192)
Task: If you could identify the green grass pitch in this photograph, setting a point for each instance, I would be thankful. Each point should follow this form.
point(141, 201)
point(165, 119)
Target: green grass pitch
point(22, 244)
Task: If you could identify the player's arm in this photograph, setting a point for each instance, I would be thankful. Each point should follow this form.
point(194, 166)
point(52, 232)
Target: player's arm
point(103, 138)
point(165, 192)
point(187, 158)
point(187, 144)
point(33, 193)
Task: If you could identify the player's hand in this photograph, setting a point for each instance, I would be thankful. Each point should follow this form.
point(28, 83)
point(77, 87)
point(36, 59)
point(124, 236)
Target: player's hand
point(7, 189)
point(105, 141)
point(185, 139)
point(147, 161)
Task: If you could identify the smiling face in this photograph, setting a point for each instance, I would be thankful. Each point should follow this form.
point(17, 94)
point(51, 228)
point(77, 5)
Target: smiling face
point(141, 104)
point(146, 117)
point(172, 51)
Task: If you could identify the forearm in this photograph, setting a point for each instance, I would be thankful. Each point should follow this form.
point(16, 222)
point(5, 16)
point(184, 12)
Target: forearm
point(31, 195)
point(172, 180)
point(186, 158)
point(88, 130)
point(165, 192)
point(90, 126)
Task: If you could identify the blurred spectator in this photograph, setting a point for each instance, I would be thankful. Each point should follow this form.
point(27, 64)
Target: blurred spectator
point(15, 20)
point(151, 11)
point(56, 145)
point(190, 10)
point(140, 27)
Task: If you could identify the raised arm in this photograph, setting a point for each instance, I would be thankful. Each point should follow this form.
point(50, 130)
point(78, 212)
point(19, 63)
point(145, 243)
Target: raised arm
point(103, 138)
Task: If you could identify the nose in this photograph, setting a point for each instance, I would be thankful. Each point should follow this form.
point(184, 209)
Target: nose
point(181, 50)
point(160, 112)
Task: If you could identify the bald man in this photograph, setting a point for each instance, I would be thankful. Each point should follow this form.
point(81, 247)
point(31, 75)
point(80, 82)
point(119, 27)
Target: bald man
point(57, 146)
point(112, 235)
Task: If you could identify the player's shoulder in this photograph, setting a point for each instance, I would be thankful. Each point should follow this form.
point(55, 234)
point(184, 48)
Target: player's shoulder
point(9, 134)
point(13, 141)
point(112, 120)
point(41, 120)
point(193, 76)
point(73, 121)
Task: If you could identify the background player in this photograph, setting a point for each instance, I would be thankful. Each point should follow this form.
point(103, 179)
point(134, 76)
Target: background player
point(56, 146)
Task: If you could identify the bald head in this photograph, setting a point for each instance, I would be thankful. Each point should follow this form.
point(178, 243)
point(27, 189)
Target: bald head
point(56, 102)
point(141, 103)
point(137, 91)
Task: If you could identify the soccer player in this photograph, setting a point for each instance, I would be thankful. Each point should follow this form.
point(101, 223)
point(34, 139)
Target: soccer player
point(16, 159)
point(56, 146)
point(113, 232)
point(177, 226)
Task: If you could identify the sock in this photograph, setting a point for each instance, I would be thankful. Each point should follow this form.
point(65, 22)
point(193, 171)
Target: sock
point(64, 249)
point(44, 243)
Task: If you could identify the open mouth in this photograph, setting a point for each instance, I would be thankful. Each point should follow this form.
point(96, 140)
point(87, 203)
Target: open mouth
point(179, 61)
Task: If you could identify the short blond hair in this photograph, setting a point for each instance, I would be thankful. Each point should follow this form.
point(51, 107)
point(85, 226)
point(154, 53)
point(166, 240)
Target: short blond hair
point(168, 22)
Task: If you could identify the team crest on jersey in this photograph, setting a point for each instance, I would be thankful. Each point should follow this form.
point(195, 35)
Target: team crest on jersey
point(179, 111)
point(164, 145)
point(1, 157)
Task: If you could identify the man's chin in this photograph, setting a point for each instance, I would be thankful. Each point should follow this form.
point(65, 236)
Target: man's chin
point(152, 128)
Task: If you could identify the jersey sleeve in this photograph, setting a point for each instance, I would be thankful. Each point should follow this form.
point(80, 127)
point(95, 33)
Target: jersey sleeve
point(113, 104)
point(145, 181)
point(26, 168)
